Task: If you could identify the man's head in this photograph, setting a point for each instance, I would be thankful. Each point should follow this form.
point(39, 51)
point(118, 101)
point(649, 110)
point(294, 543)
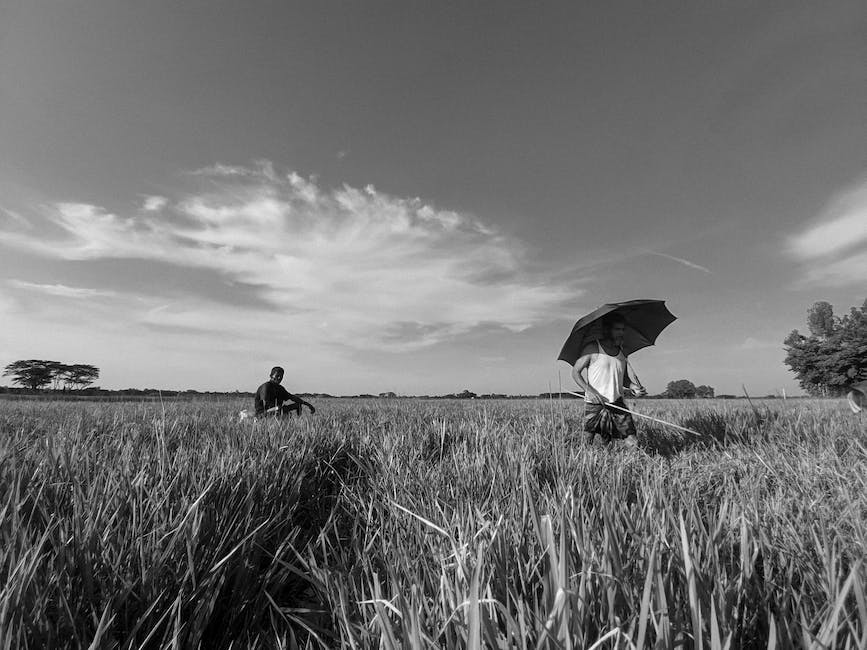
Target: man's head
point(614, 327)
point(276, 374)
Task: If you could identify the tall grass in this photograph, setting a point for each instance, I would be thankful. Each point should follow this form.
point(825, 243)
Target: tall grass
point(431, 524)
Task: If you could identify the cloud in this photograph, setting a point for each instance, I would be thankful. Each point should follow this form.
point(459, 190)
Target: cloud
point(154, 203)
point(347, 266)
point(834, 248)
point(15, 216)
point(851, 269)
point(680, 260)
point(59, 290)
point(751, 343)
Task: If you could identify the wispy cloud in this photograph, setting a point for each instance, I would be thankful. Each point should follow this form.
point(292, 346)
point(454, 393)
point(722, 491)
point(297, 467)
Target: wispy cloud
point(15, 216)
point(752, 343)
point(59, 290)
point(353, 266)
point(154, 203)
point(679, 260)
point(834, 247)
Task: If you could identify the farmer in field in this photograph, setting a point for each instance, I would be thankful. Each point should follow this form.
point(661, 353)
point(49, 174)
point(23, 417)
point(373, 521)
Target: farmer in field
point(607, 382)
point(270, 397)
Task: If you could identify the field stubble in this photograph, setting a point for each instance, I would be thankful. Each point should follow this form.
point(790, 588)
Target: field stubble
point(430, 524)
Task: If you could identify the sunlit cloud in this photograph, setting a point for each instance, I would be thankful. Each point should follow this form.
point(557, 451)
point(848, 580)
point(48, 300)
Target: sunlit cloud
point(154, 203)
point(850, 269)
point(834, 247)
point(58, 290)
point(350, 266)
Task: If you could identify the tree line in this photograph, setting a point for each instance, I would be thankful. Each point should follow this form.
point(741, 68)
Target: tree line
point(36, 374)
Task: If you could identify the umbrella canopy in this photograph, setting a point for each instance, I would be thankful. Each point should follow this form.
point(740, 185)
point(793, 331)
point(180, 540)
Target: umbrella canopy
point(645, 319)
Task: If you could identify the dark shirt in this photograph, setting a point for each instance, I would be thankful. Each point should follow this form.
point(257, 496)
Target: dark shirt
point(268, 396)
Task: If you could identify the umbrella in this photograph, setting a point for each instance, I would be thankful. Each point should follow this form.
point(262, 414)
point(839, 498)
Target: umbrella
point(645, 319)
point(856, 396)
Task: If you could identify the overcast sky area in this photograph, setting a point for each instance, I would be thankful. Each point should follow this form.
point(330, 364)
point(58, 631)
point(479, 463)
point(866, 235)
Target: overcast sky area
point(424, 197)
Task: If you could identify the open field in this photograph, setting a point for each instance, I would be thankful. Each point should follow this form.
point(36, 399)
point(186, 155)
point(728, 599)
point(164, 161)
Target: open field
point(427, 524)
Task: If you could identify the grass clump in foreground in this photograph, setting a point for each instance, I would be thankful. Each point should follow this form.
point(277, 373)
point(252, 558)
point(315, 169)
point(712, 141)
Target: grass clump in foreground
point(431, 524)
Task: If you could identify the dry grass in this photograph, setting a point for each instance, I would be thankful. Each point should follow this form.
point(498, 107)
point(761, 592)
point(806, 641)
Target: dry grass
point(431, 524)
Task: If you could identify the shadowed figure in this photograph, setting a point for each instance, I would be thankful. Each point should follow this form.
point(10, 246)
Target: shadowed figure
point(271, 398)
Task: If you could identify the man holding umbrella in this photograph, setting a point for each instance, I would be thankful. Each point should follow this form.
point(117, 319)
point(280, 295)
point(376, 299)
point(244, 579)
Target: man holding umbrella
point(607, 381)
point(599, 344)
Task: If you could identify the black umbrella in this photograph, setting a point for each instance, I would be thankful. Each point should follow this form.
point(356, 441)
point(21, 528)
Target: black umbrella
point(645, 319)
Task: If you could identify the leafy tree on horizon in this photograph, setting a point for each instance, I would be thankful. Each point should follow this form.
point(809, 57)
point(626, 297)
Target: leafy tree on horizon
point(834, 355)
point(55, 370)
point(79, 375)
point(680, 388)
point(30, 373)
point(39, 373)
point(704, 391)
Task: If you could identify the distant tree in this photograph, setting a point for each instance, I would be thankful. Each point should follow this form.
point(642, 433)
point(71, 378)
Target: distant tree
point(31, 373)
point(79, 375)
point(388, 394)
point(835, 353)
point(39, 373)
point(703, 391)
point(681, 388)
point(56, 369)
point(466, 394)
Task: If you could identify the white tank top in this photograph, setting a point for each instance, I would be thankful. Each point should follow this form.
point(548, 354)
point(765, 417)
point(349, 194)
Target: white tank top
point(605, 373)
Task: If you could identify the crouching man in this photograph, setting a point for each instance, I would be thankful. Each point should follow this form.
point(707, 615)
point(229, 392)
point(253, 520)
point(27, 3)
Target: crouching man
point(271, 398)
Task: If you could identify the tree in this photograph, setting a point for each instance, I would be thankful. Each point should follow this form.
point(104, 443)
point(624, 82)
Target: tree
point(820, 319)
point(79, 375)
point(835, 353)
point(39, 373)
point(682, 388)
point(56, 370)
point(705, 392)
point(32, 373)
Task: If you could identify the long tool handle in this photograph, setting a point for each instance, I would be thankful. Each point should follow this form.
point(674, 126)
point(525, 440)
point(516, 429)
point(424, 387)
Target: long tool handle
point(641, 415)
point(632, 373)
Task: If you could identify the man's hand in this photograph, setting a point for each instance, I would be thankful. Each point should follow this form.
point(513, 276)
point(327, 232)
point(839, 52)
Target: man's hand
point(595, 397)
point(638, 390)
point(312, 409)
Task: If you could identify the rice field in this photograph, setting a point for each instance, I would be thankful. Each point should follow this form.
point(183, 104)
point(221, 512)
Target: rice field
point(431, 524)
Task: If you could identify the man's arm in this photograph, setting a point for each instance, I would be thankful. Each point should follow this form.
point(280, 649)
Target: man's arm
point(258, 402)
point(583, 384)
point(632, 384)
point(289, 396)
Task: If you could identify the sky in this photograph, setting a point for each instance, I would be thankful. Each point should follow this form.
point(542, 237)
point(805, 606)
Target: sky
point(424, 197)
